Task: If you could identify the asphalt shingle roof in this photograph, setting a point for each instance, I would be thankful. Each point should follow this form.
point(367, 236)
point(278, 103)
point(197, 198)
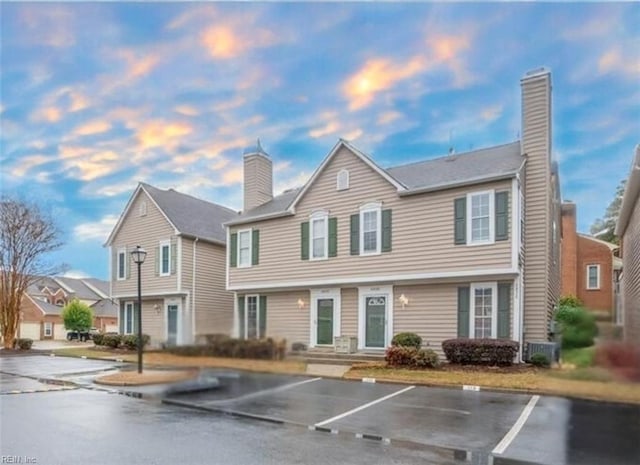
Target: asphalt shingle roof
point(105, 307)
point(465, 167)
point(435, 173)
point(191, 216)
point(78, 288)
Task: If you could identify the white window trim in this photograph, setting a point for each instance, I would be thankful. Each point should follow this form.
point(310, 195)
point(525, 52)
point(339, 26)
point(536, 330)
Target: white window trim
point(121, 251)
point(133, 316)
point(363, 293)
point(492, 218)
point(494, 308)
point(48, 325)
point(320, 215)
point(589, 288)
point(246, 316)
point(240, 232)
point(317, 294)
point(377, 207)
point(343, 173)
point(163, 244)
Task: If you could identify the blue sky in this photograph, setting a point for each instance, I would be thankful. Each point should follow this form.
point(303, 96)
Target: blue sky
point(98, 96)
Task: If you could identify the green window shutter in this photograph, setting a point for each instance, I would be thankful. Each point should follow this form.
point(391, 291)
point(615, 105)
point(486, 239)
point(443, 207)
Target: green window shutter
point(333, 237)
point(502, 216)
point(233, 250)
point(241, 316)
point(304, 240)
point(174, 257)
point(460, 219)
point(355, 234)
point(463, 311)
point(386, 231)
point(262, 316)
point(504, 307)
point(158, 252)
point(255, 247)
point(121, 328)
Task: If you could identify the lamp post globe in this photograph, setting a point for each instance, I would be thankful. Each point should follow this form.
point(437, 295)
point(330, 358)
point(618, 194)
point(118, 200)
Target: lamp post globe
point(139, 255)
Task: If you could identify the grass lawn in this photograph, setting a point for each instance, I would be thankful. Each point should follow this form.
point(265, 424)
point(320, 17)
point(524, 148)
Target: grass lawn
point(580, 358)
point(133, 378)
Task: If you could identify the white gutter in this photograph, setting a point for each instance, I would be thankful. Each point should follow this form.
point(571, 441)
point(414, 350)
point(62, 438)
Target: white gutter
point(193, 293)
point(259, 218)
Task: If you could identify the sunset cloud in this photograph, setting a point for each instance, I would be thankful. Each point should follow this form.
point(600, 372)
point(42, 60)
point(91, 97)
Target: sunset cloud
point(159, 133)
point(47, 114)
point(615, 60)
point(224, 42)
point(92, 127)
point(187, 110)
point(93, 230)
point(25, 164)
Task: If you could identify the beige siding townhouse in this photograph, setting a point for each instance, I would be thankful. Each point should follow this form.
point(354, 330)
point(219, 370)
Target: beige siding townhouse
point(183, 276)
point(628, 230)
point(464, 245)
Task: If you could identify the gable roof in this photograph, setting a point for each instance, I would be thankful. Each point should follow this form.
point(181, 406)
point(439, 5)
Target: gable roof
point(187, 215)
point(105, 307)
point(482, 165)
point(498, 162)
point(78, 288)
point(45, 307)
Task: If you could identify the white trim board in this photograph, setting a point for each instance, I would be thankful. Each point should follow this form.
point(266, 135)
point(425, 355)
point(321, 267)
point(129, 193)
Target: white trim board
point(471, 274)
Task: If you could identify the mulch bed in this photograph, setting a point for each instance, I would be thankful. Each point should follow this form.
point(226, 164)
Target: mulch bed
point(513, 369)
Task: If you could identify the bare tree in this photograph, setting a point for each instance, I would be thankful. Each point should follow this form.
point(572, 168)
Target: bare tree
point(27, 235)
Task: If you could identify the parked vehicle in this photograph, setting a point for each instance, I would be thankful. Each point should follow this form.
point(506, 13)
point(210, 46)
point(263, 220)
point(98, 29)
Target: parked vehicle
point(82, 336)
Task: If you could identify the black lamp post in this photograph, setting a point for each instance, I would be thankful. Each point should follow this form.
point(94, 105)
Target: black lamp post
point(139, 254)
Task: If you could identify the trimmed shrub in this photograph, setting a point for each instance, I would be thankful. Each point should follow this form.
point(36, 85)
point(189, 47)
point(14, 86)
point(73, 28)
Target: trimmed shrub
point(98, 339)
point(407, 340)
point(111, 340)
point(622, 358)
point(24, 343)
point(467, 351)
point(298, 347)
point(410, 357)
point(261, 349)
point(569, 301)
point(540, 360)
point(577, 327)
point(130, 341)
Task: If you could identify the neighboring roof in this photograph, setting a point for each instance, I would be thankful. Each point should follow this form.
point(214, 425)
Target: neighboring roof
point(78, 288)
point(188, 215)
point(105, 307)
point(46, 307)
point(72, 288)
point(631, 195)
point(98, 284)
point(479, 165)
point(498, 162)
point(599, 241)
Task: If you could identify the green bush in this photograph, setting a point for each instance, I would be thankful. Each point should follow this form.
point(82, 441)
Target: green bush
point(407, 340)
point(130, 341)
point(98, 339)
point(111, 340)
point(540, 360)
point(24, 343)
point(577, 327)
point(467, 351)
point(410, 357)
point(569, 301)
point(426, 358)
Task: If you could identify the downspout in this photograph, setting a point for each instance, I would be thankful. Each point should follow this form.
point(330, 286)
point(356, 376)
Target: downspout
point(193, 293)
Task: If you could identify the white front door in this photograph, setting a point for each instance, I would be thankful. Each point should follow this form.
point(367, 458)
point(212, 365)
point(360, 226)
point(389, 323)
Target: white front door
point(375, 317)
point(325, 317)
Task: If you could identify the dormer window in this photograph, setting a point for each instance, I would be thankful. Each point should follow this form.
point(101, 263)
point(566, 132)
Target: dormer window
point(142, 209)
point(342, 180)
point(60, 302)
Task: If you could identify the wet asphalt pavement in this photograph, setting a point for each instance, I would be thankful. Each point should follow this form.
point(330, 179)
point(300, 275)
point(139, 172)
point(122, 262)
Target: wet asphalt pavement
point(423, 425)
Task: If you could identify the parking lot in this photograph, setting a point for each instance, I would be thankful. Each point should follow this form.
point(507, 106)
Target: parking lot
point(455, 425)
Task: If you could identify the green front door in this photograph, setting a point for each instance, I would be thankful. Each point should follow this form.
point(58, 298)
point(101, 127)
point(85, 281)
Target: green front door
point(375, 315)
point(325, 321)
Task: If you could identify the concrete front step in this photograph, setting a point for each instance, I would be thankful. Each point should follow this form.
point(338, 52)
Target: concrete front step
point(337, 361)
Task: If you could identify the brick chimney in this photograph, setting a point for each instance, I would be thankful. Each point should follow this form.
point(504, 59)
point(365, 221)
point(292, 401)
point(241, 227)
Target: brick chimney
point(569, 249)
point(258, 177)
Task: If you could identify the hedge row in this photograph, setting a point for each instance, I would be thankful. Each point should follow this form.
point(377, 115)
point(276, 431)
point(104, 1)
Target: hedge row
point(411, 357)
point(224, 346)
point(128, 341)
point(466, 351)
point(24, 343)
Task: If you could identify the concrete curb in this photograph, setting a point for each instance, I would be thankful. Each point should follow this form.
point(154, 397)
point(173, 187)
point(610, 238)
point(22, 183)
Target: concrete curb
point(33, 391)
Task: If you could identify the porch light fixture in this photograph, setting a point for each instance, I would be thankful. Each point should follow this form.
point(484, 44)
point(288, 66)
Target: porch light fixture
point(138, 255)
point(300, 304)
point(156, 307)
point(404, 300)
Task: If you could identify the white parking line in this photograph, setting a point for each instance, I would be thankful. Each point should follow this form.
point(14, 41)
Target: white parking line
point(362, 407)
point(265, 392)
point(517, 426)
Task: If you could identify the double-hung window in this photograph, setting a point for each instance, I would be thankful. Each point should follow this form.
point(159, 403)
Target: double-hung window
point(48, 329)
point(480, 212)
point(370, 231)
point(484, 319)
point(244, 248)
point(319, 243)
point(593, 277)
point(165, 258)
point(121, 264)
